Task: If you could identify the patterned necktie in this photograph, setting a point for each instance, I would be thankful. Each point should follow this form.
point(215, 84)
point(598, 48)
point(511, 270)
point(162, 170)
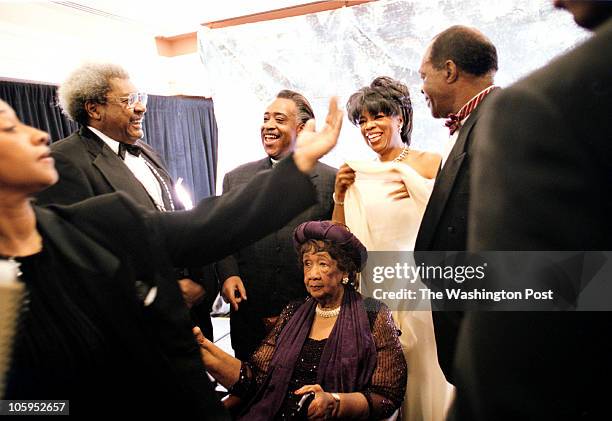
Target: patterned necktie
point(453, 121)
point(131, 149)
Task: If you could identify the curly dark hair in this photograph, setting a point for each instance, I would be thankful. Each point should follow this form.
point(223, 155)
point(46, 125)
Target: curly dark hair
point(336, 251)
point(469, 49)
point(384, 95)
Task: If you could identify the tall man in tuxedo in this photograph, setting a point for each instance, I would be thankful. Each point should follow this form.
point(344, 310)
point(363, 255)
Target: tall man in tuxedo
point(107, 155)
point(267, 271)
point(457, 70)
point(550, 190)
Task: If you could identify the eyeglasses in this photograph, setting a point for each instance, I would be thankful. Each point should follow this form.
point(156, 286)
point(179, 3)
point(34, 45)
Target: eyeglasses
point(134, 98)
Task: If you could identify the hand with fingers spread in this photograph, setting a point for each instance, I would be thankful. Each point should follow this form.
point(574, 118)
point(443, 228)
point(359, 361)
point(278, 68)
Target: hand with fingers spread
point(233, 292)
point(323, 406)
point(312, 145)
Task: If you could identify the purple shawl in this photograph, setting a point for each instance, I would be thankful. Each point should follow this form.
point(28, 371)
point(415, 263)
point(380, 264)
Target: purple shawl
point(347, 363)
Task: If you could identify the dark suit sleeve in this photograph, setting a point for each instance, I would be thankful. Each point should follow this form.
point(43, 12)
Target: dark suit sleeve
point(228, 266)
point(71, 187)
point(221, 225)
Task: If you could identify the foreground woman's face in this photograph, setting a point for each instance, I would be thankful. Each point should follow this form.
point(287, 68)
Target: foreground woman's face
point(25, 162)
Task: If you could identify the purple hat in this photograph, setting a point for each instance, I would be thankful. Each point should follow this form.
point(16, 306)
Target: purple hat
point(334, 232)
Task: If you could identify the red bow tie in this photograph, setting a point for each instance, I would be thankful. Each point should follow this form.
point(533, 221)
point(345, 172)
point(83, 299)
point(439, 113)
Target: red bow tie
point(453, 121)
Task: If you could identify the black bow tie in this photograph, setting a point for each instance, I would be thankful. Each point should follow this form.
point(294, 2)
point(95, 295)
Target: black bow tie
point(131, 149)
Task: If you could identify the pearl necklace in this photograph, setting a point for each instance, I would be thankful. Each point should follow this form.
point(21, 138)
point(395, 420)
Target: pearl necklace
point(327, 314)
point(402, 154)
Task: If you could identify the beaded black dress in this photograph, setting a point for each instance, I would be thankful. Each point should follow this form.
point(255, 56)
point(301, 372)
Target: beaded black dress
point(387, 386)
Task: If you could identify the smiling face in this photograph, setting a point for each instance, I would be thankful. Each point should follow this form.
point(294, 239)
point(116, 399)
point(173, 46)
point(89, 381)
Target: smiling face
point(26, 165)
point(280, 128)
point(323, 278)
point(381, 132)
point(435, 88)
point(115, 119)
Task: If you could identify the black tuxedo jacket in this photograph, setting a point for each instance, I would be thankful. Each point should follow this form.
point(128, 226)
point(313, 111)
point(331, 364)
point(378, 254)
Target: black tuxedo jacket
point(444, 227)
point(118, 252)
point(542, 178)
point(88, 168)
point(269, 268)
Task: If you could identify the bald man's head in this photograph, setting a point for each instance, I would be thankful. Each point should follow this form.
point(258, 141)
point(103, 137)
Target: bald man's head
point(468, 48)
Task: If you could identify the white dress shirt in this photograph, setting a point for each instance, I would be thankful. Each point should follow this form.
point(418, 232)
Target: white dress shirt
point(448, 147)
point(139, 167)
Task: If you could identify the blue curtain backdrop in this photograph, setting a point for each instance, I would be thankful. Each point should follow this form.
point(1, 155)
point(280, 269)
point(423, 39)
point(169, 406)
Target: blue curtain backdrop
point(183, 130)
point(35, 105)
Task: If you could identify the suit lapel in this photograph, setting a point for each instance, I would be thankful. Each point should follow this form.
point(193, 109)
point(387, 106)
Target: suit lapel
point(114, 170)
point(264, 164)
point(149, 154)
point(76, 246)
point(258, 166)
point(246, 175)
point(444, 183)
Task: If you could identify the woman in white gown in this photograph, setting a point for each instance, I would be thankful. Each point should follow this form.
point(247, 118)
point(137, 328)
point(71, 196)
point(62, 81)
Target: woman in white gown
point(383, 202)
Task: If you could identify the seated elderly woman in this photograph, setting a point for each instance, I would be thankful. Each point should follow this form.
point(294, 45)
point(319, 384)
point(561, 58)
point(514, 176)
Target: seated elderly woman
point(340, 347)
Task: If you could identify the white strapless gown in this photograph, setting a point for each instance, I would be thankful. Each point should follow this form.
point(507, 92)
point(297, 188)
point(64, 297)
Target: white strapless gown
point(383, 224)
